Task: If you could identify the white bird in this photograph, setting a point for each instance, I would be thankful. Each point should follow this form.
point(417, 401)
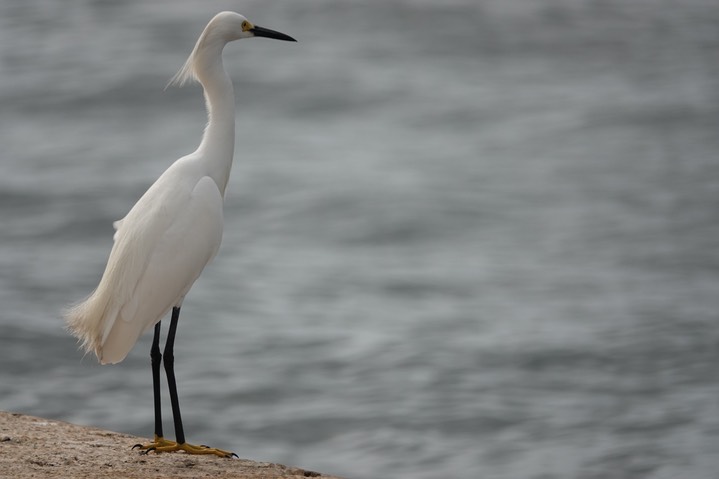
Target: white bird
point(162, 245)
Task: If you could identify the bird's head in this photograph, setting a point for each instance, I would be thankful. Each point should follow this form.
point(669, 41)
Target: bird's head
point(229, 26)
point(223, 28)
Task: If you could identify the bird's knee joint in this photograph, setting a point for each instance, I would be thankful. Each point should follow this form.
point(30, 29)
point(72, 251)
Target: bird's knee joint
point(169, 360)
point(155, 355)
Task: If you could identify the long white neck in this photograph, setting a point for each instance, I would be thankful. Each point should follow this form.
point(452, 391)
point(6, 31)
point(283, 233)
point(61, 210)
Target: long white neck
point(218, 142)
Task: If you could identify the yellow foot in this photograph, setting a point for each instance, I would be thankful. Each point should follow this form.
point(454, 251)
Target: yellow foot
point(161, 444)
point(158, 442)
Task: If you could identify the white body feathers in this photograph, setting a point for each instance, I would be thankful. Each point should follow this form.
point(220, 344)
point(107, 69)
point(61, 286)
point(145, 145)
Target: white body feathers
point(162, 245)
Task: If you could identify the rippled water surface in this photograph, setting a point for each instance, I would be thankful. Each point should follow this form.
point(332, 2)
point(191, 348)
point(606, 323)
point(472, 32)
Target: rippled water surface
point(463, 239)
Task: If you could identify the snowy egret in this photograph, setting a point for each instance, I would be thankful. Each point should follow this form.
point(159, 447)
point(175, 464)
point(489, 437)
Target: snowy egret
point(162, 245)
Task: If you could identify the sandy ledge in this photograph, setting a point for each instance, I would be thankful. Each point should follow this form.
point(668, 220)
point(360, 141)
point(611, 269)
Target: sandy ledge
point(33, 447)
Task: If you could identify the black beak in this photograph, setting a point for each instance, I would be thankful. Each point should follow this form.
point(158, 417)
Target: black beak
point(266, 32)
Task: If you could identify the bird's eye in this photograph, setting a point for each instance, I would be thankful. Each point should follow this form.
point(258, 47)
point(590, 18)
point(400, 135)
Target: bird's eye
point(245, 26)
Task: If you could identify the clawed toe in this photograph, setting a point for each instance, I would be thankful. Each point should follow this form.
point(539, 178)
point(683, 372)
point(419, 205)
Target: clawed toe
point(159, 442)
point(163, 445)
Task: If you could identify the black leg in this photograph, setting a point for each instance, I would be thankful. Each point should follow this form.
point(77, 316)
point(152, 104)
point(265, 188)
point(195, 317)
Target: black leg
point(170, 372)
point(160, 444)
point(156, 358)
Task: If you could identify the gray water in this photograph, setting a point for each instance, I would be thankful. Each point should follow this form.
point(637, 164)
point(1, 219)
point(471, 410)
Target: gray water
point(463, 239)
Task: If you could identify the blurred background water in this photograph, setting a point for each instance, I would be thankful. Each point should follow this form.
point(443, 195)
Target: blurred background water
point(463, 239)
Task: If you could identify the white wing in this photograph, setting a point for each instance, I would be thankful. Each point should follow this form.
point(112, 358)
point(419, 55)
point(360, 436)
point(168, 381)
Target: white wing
point(160, 249)
point(178, 255)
